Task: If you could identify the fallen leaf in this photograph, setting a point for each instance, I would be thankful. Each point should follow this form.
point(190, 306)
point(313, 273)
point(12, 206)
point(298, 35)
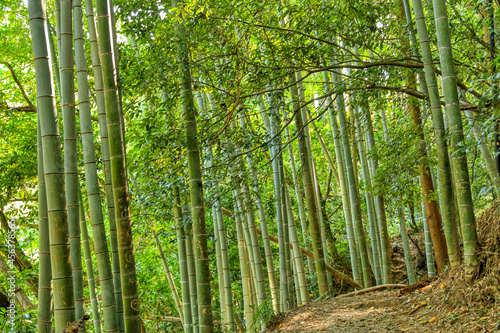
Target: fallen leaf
point(393, 308)
point(433, 320)
point(443, 286)
point(426, 287)
point(484, 318)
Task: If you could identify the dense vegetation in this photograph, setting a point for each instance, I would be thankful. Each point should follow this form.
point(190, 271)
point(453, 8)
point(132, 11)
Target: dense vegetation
point(204, 165)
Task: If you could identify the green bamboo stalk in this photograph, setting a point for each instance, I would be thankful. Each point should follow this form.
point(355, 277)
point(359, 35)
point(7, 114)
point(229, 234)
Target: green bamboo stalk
point(434, 217)
point(354, 196)
point(111, 315)
point(385, 245)
point(192, 278)
point(128, 277)
point(183, 264)
point(44, 270)
point(369, 200)
point(210, 184)
point(64, 311)
point(53, 57)
point(228, 293)
point(275, 147)
point(315, 230)
point(445, 180)
point(195, 181)
point(170, 279)
point(300, 203)
point(254, 242)
point(244, 269)
point(317, 194)
point(108, 186)
point(220, 270)
point(344, 189)
point(301, 283)
point(485, 152)
point(458, 155)
point(263, 222)
point(70, 152)
point(329, 158)
point(89, 266)
point(429, 254)
point(406, 247)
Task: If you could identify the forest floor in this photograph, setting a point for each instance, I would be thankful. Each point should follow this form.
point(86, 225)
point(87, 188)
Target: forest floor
point(446, 304)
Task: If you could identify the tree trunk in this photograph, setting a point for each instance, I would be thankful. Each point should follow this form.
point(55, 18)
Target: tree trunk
point(459, 158)
point(312, 210)
point(445, 181)
point(52, 163)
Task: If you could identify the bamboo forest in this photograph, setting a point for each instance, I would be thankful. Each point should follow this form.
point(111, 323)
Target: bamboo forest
point(253, 166)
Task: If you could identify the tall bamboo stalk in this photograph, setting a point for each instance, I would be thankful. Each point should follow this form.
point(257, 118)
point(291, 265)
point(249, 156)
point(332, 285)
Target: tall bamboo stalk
point(183, 264)
point(89, 266)
point(170, 279)
point(485, 152)
point(406, 247)
point(301, 283)
point(458, 155)
point(315, 232)
point(195, 181)
point(385, 245)
point(70, 152)
point(44, 273)
point(64, 310)
point(369, 200)
point(429, 254)
point(300, 203)
point(275, 148)
point(103, 133)
point(121, 197)
point(192, 277)
point(354, 197)
point(263, 220)
point(220, 231)
point(344, 188)
point(445, 179)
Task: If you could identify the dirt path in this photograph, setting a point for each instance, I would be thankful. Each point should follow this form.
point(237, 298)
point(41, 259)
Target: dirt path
point(379, 312)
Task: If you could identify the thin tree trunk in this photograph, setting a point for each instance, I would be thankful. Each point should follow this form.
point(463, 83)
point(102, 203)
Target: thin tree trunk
point(64, 311)
point(432, 208)
point(385, 245)
point(131, 307)
point(192, 278)
point(344, 189)
point(108, 186)
point(485, 151)
point(89, 266)
point(369, 201)
point(70, 153)
point(170, 279)
point(406, 247)
point(183, 263)
point(300, 203)
point(44, 267)
point(303, 296)
point(315, 231)
point(278, 181)
point(354, 197)
point(445, 180)
point(429, 254)
point(195, 182)
point(263, 222)
point(459, 158)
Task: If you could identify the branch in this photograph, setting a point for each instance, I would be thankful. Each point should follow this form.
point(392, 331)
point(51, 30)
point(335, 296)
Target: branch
point(18, 83)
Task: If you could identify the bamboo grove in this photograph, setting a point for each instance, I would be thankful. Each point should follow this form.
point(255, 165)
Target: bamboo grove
point(201, 166)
